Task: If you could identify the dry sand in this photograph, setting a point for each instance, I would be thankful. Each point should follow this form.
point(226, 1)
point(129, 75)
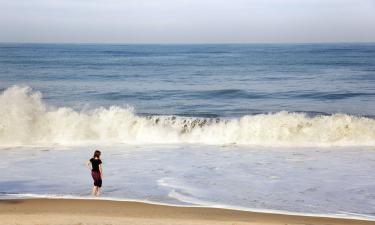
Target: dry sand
point(103, 212)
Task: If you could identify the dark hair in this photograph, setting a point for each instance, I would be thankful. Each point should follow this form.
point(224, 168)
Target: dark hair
point(97, 154)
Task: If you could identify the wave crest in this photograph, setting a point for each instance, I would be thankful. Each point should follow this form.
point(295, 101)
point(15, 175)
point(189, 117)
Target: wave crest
point(27, 120)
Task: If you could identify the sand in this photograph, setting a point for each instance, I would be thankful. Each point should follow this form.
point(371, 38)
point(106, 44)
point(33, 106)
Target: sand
point(103, 212)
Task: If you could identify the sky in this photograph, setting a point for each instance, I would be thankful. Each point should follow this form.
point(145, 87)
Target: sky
point(187, 21)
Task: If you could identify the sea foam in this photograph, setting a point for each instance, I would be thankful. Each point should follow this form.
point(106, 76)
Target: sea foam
point(27, 120)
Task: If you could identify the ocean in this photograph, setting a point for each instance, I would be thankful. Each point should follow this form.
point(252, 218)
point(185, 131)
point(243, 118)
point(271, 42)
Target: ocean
point(280, 127)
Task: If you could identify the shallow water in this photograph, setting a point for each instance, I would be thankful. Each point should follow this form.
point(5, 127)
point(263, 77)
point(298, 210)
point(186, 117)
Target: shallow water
point(310, 180)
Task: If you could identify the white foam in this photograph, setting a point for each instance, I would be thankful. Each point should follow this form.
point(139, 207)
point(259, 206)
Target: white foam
point(27, 120)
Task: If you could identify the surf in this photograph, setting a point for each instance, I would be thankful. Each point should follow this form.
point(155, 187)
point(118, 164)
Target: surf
point(26, 119)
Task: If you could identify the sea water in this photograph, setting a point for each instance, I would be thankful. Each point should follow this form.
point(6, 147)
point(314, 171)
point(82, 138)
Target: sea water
point(261, 127)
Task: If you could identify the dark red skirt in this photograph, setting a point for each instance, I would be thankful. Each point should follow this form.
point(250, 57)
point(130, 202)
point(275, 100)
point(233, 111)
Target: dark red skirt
point(97, 178)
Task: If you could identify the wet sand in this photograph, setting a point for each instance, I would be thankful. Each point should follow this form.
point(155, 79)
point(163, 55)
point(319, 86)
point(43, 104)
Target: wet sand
point(105, 212)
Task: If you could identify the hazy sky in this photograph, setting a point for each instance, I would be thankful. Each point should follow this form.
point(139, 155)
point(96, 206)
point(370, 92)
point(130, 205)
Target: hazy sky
point(187, 21)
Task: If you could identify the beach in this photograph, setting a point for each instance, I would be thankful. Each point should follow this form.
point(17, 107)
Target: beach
point(187, 112)
point(276, 128)
point(70, 211)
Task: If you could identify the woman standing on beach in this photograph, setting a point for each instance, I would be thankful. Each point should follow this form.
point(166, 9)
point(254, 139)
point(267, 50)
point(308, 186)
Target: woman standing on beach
point(95, 164)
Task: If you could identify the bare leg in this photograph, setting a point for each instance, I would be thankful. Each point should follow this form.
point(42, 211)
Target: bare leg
point(97, 192)
point(94, 190)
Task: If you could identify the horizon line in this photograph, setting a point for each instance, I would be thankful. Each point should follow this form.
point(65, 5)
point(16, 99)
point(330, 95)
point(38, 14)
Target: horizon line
point(192, 43)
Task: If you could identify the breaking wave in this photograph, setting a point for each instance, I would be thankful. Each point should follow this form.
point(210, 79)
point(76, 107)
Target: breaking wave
point(27, 120)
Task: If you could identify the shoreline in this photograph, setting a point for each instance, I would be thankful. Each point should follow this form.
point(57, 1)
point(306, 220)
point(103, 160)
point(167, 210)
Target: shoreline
point(101, 211)
point(352, 216)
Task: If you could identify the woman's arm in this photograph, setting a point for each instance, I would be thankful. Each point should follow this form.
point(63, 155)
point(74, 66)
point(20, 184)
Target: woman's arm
point(88, 164)
point(101, 170)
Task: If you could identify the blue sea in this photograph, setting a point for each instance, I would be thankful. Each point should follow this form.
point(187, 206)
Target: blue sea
point(280, 127)
point(198, 80)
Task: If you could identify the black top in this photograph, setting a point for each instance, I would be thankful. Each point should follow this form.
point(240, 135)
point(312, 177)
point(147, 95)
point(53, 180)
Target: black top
point(95, 164)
